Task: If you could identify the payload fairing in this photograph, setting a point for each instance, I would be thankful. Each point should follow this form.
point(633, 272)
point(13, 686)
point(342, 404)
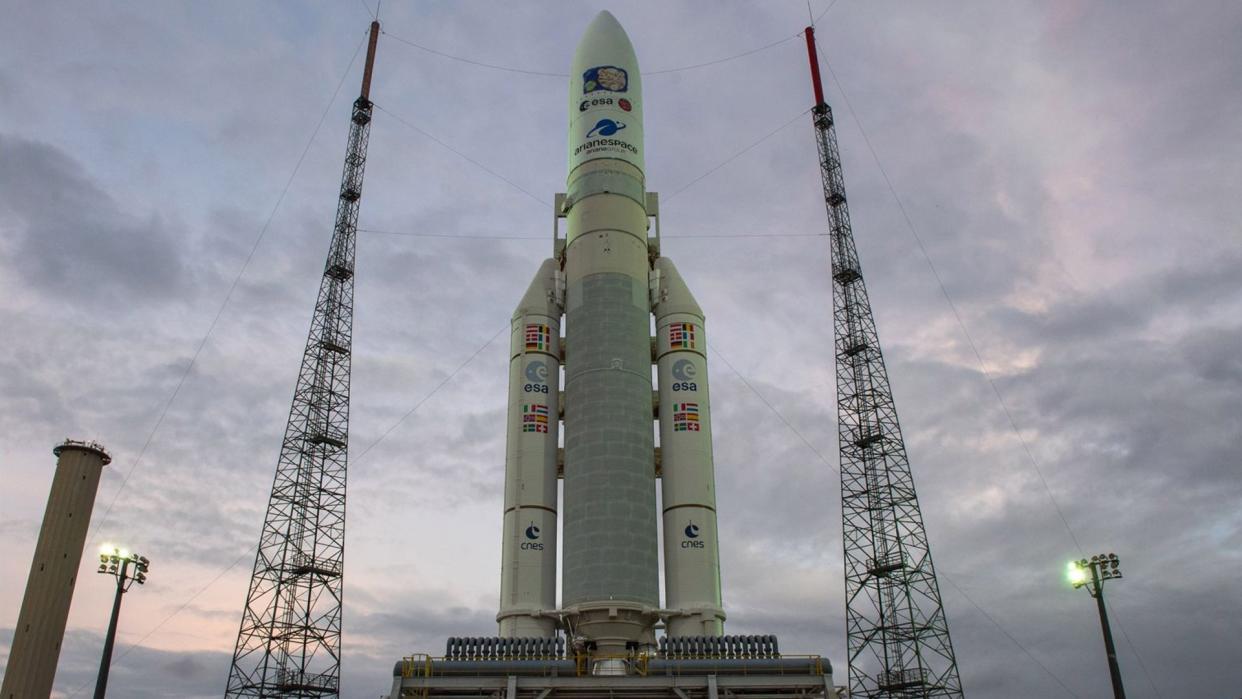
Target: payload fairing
point(607, 281)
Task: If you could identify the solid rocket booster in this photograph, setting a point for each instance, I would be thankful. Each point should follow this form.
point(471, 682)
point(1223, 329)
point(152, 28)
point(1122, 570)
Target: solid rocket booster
point(608, 281)
point(528, 550)
point(688, 485)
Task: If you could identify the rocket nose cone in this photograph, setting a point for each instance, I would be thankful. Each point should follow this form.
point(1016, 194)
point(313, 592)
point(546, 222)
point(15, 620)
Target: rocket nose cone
point(605, 39)
point(605, 96)
point(605, 20)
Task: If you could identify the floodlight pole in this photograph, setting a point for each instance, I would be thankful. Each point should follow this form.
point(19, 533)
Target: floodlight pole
point(1114, 670)
point(117, 564)
point(101, 684)
point(1102, 567)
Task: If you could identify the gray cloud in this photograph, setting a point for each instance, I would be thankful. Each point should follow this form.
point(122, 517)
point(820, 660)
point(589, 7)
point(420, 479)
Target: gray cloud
point(1071, 169)
point(73, 240)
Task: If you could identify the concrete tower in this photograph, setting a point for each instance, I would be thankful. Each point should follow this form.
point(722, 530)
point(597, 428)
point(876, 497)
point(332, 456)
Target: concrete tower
point(54, 570)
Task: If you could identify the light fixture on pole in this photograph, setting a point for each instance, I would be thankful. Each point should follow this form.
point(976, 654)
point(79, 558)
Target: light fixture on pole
point(1091, 574)
point(128, 568)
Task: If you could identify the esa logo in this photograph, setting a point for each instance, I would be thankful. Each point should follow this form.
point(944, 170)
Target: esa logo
point(592, 103)
point(537, 376)
point(532, 534)
point(595, 102)
point(684, 374)
point(692, 537)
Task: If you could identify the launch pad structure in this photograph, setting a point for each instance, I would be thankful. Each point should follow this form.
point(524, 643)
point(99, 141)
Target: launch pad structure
point(612, 634)
point(607, 285)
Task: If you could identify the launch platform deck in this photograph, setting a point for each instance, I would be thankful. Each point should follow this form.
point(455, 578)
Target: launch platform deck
point(410, 681)
point(619, 687)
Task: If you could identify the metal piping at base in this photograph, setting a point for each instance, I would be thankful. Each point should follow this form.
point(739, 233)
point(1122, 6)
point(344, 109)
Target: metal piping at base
point(437, 667)
point(471, 668)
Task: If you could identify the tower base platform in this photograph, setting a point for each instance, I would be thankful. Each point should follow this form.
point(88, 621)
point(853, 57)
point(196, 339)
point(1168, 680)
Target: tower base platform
point(616, 687)
point(728, 667)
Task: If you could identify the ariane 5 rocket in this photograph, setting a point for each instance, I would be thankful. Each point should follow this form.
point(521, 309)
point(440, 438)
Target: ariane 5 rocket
point(604, 286)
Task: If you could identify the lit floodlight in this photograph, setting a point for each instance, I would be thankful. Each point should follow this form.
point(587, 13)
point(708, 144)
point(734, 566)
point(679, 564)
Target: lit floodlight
point(1076, 573)
point(1091, 574)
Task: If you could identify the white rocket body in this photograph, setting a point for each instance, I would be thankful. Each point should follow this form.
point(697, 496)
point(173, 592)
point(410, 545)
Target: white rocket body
point(610, 567)
point(528, 559)
point(691, 549)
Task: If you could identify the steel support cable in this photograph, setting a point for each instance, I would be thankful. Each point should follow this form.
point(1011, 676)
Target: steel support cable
point(821, 15)
point(251, 552)
point(532, 196)
point(481, 166)
point(244, 556)
point(1121, 627)
point(765, 47)
point(941, 574)
point(427, 397)
point(717, 236)
point(966, 333)
point(546, 74)
point(229, 294)
point(736, 155)
point(953, 307)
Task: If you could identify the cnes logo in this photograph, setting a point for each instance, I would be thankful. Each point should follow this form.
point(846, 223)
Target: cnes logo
point(692, 537)
point(533, 543)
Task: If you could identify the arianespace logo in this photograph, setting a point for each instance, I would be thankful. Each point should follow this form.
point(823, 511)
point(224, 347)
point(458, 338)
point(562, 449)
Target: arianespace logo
point(606, 127)
point(692, 540)
point(533, 543)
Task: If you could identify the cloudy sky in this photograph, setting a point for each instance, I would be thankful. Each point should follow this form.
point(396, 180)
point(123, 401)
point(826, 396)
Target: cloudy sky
point(1063, 325)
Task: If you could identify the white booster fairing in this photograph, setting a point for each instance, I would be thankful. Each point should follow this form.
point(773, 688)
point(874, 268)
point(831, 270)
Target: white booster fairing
point(608, 279)
point(528, 558)
point(688, 483)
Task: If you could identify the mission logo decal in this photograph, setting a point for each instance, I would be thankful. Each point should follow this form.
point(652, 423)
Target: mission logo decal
point(685, 417)
point(535, 418)
point(681, 336)
point(605, 78)
point(538, 338)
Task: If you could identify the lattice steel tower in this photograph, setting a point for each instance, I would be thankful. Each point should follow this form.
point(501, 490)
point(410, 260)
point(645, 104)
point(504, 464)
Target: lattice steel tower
point(897, 635)
point(289, 644)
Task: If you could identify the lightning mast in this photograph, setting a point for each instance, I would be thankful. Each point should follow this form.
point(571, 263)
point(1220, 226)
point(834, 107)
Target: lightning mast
point(289, 643)
point(897, 634)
